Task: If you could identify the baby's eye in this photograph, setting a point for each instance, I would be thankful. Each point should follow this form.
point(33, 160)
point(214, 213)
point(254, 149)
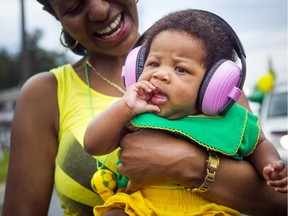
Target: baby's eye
point(154, 64)
point(180, 69)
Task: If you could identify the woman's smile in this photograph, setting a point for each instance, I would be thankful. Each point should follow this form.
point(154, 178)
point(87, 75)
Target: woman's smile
point(112, 30)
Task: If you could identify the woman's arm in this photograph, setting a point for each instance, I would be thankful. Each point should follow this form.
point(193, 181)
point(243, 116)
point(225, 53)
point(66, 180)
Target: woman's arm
point(152, 157)
point(33, 148)
point(239, 186)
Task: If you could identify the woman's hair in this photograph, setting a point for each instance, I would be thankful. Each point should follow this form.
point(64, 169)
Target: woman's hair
point(216, 37)
point(47, 6)
point(69, 41)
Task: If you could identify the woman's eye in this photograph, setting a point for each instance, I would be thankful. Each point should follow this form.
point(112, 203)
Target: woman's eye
point(74, 9)
point(181, 70)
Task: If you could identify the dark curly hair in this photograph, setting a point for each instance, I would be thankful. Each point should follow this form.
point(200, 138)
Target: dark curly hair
point(217, 38)
point(69, 41)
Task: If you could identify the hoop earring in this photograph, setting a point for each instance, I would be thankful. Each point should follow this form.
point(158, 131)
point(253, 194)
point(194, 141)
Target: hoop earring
point(136, 1)
point(65, 45)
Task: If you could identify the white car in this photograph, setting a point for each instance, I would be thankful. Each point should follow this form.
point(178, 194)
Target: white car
point(273, 118)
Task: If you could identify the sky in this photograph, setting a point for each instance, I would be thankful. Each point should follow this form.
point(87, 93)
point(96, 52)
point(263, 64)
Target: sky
point(261, 26)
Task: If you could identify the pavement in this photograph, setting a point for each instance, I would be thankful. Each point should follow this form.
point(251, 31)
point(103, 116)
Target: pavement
point(54, 210)
point(2, 191)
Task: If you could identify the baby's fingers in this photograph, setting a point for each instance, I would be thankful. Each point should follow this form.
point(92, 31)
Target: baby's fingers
point(147, 86)
point(279, 185)
point(267, 171)
point(279, 166)
point(282, 190)
point(153, 108)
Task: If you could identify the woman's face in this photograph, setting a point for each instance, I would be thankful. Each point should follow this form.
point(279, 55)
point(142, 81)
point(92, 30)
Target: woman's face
point(109, 27)
point(175, 66)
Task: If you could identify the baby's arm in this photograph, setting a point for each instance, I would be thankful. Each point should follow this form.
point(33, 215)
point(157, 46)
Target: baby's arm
point(105, 131)
point(267, 161)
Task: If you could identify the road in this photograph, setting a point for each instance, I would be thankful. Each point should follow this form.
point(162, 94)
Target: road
point(54, 210)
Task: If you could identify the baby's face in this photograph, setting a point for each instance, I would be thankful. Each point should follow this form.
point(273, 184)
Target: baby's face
point(175, 66)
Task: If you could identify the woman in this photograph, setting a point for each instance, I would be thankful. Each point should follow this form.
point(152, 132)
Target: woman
point(55, 108)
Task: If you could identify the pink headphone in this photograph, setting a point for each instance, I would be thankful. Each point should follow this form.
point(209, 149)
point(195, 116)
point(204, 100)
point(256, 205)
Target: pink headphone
point(221, 86)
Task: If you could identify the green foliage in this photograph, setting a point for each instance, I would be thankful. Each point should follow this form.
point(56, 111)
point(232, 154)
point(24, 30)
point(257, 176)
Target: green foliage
point(40, 60)
point(45, 60)
point(8, 69)
point(4, 159)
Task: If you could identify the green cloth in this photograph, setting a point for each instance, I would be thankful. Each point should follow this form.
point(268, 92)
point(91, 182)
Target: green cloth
point(235, 134)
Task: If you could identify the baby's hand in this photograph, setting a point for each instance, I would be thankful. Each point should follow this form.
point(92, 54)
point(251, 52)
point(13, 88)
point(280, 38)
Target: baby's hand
point(276, 176)
point(137, 97)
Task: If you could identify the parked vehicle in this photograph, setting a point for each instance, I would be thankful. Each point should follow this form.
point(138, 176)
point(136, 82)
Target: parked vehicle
point(273, 118)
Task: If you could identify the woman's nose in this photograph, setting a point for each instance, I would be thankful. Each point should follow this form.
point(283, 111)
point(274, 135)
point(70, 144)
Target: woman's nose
point(98, 10)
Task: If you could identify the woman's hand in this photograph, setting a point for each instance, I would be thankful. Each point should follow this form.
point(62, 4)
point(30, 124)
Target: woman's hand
point(153, 157)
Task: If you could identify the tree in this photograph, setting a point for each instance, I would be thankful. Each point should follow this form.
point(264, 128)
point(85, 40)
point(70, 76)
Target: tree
point(41, 60)
point(8, 69)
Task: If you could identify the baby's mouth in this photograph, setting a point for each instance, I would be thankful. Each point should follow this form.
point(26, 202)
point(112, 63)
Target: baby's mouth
point(113, 29)
point(158, 97)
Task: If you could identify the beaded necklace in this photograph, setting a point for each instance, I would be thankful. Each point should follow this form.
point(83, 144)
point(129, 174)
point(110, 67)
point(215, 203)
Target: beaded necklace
point(103, 180)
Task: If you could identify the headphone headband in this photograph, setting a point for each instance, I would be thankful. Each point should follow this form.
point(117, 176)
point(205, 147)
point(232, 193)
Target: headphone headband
point(229, 83)
point(237, 45)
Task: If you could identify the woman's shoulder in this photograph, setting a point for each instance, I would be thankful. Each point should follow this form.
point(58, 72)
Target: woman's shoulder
point(44, 82)
point(39, 92)
point(40, 83)
point(37, 98)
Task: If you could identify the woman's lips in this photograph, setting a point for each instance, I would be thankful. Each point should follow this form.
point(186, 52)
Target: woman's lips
point(112, 30)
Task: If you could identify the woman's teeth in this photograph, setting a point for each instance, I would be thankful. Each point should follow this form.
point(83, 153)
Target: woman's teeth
point(113, 29)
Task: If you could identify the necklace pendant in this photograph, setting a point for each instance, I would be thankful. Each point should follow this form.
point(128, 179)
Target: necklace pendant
point(104, 183)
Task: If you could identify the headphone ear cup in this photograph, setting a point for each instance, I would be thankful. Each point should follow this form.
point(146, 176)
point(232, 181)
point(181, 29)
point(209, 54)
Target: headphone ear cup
point(134, 65)
point(220, 88)
point(141, 58)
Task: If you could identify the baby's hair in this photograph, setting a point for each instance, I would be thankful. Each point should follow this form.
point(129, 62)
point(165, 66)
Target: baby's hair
point(215, 36)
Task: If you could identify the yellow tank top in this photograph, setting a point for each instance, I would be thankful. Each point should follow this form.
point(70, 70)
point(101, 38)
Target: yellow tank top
point(74, 167)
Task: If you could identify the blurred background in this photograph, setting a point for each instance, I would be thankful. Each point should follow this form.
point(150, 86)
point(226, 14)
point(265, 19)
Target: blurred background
point(29, 44)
